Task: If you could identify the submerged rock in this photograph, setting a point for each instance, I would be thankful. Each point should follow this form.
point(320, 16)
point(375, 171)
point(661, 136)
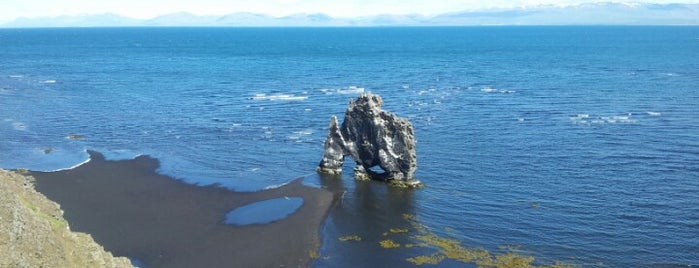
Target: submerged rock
point(373, 138)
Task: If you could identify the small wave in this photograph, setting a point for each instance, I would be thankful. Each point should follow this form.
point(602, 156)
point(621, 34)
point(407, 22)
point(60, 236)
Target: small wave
point(15, 76)
point(48, 81)
point(653, 113)
point(345, 91)
point(275, 186)
point(586, 119)
point(351, 90)
point(278, 97)
point(617, 119)
point(300, 136)
point(304, 132)
point(495, 90)
point(74, 166)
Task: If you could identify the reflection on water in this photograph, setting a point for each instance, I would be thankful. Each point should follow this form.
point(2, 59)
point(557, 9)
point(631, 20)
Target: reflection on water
point(376, 223)
point(364, 212)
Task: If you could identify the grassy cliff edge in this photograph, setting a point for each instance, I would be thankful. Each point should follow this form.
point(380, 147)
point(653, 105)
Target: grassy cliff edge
point(33, 232)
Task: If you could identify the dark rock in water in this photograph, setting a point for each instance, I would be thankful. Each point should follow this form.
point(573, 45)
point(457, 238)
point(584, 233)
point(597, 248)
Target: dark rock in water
point(334, 154)
point(75, 137)
point(374, 138)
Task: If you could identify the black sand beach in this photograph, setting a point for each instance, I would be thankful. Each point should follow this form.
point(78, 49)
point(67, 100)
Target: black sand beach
point(133, 211)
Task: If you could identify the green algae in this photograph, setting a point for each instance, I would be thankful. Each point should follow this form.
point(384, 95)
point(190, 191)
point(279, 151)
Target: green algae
point(398, 230)
point(313, 254)
point(350, 238)
point(427, 259)
point(448, 248)
point(452, 248)
point(507, 260)
point(388, 243)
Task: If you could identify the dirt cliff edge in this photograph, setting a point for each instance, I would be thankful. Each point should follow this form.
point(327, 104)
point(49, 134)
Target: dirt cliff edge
point(33, 232)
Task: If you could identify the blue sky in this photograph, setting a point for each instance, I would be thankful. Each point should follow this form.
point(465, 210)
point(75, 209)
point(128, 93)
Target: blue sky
point(12, 9)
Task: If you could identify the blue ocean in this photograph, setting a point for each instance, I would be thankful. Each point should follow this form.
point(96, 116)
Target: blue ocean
point(577, 144)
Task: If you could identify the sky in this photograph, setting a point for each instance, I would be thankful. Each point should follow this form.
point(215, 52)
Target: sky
point(144, 9)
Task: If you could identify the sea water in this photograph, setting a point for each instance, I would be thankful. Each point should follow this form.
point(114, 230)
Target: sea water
point(573, 144)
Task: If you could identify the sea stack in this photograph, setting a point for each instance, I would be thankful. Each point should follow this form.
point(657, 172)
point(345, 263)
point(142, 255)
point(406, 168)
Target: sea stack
point(373, 138)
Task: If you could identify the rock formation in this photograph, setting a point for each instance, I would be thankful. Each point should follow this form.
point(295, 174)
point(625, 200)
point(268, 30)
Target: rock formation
point(373, 138)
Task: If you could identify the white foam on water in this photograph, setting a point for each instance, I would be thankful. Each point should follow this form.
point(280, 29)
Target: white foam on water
point(15, 76)
point(615, 119)
point(653, 113)
point(298, 136)
point(351, 90)
point(278, 97)
point(495, 90)
point(74, 166)
point(50, 81)
point(304, 132)
point(579, 117)
point(275, 186)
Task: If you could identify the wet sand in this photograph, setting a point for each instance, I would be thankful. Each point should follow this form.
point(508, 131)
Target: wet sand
point(132, 211)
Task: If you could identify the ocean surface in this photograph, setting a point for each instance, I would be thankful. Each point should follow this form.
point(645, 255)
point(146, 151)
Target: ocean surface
point(572, 144)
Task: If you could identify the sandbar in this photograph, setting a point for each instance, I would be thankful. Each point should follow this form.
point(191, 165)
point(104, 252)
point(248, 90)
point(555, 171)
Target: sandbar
point(159, 221)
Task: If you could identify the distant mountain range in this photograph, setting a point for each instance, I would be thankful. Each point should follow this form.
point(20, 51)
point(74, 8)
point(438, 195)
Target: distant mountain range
point(601, 13)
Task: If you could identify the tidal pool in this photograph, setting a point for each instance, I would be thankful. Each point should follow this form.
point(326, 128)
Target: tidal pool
point(263, 211)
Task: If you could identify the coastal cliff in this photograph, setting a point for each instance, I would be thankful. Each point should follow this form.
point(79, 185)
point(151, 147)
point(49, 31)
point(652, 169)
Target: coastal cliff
point(373, 138)
point(33, 232)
